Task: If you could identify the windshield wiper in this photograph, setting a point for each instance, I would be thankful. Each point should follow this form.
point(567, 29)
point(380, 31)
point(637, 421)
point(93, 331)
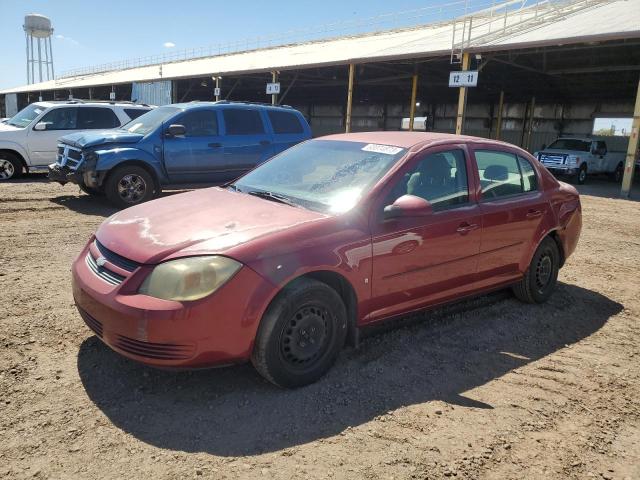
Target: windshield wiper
point(273, 197)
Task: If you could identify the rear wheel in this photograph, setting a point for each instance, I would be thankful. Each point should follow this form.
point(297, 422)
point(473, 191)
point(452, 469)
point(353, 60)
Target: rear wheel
point(301, 334)
point(129, 185)
point(618, 173)
point(540, 280)
point(10, 166)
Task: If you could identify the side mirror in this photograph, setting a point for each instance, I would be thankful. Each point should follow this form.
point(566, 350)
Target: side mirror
point(408, 206)
point(40, 126)
point(176, 130)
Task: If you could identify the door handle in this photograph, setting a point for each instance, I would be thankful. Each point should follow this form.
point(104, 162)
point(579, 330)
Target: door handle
point(215, 145)
point(465, 228)
point(534, 214)
point(265, 142)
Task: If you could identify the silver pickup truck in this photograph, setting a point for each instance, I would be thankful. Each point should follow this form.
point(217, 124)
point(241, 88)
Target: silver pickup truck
point(577, 157)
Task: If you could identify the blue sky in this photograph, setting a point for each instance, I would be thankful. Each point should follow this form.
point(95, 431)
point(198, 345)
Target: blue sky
point(92, 32)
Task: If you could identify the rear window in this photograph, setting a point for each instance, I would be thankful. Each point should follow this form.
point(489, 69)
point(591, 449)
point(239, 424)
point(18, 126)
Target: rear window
point(134, 113)
point(96, 117)
point(285, 122)
point(242, 122)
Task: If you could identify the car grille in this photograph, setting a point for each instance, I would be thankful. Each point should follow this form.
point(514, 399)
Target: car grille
point(118, 260)
point(552, 159)
point(69, 156)
point(91, 322)
point(160, 351)
point(104, 273)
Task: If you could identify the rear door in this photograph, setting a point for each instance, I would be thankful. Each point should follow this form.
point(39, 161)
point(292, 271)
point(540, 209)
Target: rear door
point(43, 144)
point(513, 208)
point(247, 142)
point(198, 155)
point(287, 129)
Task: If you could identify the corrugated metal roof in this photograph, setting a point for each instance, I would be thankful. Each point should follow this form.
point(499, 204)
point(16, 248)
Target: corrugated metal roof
point(601, 21)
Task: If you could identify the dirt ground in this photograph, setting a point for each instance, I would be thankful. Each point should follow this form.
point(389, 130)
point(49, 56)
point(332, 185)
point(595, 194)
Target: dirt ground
point(489, 389)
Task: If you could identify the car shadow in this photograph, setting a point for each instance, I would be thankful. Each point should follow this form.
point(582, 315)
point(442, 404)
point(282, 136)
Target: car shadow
point(94, 204)
point(600, 186)
point(38, 177)
point(234, 412)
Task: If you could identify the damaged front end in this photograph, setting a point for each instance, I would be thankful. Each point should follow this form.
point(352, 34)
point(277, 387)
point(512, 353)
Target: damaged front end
point(75, 166)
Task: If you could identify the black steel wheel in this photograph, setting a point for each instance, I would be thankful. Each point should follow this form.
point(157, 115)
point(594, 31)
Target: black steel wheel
point(301, 334)
point(540, 280)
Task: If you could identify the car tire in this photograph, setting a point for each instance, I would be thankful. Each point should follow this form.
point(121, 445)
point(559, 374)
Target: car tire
point(581, 176)
point(617, 175)
point(96, 192)
point(540, 279)
point(10, 166)
point(301, 334)
point(129, 185)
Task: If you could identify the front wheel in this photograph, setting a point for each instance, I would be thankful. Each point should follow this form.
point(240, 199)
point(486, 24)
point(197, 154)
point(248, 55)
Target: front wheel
point(541, 277)
point(129, 185)
point(10, 167)
point(581, 176)
point(618, 173)
point(301, 334)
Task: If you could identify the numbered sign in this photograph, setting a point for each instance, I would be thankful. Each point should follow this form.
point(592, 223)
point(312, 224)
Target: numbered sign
point(216, 91)
point(463, 79)
point(273, 88)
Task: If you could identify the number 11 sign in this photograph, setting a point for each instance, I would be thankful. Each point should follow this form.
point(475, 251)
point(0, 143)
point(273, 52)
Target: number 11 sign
point(467, 78)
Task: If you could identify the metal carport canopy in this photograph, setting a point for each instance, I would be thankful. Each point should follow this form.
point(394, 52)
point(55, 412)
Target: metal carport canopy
point(603, 21)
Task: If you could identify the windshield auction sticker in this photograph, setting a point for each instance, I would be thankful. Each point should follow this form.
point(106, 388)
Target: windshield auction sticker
point(386, 149)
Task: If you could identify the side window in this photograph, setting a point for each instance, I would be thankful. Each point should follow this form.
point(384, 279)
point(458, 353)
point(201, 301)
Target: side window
point(242, 122)
point(200, 123)
point(96, 117)
point(499, 173)
point(601, 148)
point(284, 122)
point(440, 178)
point(529, 178)
point(63, 118)
point(134, 113)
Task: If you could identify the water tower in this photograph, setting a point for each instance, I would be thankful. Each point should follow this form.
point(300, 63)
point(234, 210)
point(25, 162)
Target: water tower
point(38, 28)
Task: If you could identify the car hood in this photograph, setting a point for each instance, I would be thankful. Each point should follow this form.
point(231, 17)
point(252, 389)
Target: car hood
point(555, 151)
point(211, 220)
point(92, 138)
point(8, 128)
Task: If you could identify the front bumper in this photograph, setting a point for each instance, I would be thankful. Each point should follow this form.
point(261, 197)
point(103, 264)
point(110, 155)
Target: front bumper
point(217, 330)
point(62, 175)
point(562, 170)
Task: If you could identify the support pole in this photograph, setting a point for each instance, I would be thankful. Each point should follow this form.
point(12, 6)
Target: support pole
point(352, 72)
point(462, 97)
point(499, 120)
point(217, 88)
point(274, 96)
point(632, 149)
point(412, 110)
point(532, 107)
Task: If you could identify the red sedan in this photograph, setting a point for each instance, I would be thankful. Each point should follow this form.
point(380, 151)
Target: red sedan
point(286, 264)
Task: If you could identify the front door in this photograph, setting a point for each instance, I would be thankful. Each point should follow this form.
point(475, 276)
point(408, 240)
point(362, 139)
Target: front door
point(426, 259)
point(43, 144)
point(247, 143)
point(198, 155)
point(513, 209)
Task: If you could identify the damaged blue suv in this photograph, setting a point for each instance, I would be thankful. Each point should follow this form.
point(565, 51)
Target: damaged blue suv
point(198, 142)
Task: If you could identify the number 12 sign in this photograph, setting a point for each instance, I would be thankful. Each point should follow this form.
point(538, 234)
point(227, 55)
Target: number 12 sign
point(467, 78)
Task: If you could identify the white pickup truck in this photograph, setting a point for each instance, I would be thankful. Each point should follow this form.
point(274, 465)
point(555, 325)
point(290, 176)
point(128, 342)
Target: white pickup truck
point(577, 157)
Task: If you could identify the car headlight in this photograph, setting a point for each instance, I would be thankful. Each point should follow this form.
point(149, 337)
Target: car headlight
point(90, 160)
point(189, 278)
point(572, 160)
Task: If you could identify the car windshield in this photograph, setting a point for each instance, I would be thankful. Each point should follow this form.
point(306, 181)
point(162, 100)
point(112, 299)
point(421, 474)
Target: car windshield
point(150, 120)
point(25, 116)
point(571, 144)
point(323, 175)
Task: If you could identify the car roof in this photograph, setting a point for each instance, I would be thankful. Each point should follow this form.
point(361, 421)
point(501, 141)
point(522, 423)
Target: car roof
point(198, 103)
point(55, 103)
point(408, 139)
